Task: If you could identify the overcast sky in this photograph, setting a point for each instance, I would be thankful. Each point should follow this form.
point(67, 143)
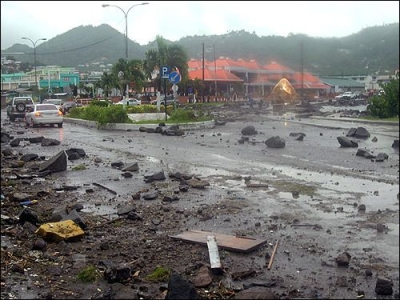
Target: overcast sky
point(176, 19)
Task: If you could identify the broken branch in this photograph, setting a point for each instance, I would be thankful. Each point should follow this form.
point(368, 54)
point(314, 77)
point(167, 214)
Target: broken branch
point(273, 255)
point(104, 187)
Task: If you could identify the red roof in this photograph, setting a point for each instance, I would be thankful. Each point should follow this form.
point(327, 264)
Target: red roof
point(210, 75)
point(274, 66)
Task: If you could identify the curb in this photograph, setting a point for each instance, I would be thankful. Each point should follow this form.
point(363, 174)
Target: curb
point(135, 127)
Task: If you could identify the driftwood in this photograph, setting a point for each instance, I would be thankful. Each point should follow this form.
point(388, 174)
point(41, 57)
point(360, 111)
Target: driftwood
point(273, 255)
point(104, 187)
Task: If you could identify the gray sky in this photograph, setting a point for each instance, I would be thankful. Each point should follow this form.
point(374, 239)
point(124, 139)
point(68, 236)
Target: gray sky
point(176, 19)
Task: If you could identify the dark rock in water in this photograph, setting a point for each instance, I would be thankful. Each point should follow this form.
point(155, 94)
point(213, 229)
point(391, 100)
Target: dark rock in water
point(343, 259)
point(346, 142)
point(249, 130)
point(36, 140)
point(364, 153)
point(15, 142)
point(381, 157)
point(78, 151)
point(275, 142)
point(150, 196)
point(132, 168)
point(117, 164)
point(29, 157)
point(384, 286)
point(73, 156)
point(50, 142)
point(395, 144)
point(359, 132)
point(57, 163)
point(180, 288)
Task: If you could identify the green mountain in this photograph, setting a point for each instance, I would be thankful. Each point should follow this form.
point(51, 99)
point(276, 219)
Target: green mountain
point(373, 49)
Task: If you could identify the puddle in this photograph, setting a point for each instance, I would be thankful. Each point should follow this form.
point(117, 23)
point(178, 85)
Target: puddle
point(101, 210)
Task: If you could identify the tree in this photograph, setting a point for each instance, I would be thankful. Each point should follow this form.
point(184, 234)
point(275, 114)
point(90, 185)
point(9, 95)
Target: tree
point(386, 104)
point(131, 71)
point(173, 56)
point(107, 82)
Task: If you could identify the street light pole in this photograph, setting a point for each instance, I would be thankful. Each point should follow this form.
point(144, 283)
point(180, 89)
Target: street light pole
point(34, 53)
point(126, 34)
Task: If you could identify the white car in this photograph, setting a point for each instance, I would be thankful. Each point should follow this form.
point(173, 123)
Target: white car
point(56, 102)
point(346, 95)
point(44, 114)
point(130, 101)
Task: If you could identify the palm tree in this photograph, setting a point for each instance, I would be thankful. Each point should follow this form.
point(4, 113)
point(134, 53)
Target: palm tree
point(129, 71)
point(107, 82)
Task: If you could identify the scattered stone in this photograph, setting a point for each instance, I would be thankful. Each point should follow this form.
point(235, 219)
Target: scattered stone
point(384, 286)
point(180, 288)
point(275, 142)
point(343, 259)
point(249, 130)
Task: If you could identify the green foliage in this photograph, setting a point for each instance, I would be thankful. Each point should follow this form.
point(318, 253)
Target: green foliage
point(159, 274)
point(79, 167)
point(386, 105)
point(99, 103)
point(87, 275)
point(102, 115)
point(144, 108)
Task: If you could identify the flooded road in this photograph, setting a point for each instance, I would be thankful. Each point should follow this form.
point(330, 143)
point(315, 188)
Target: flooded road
point(314, 181)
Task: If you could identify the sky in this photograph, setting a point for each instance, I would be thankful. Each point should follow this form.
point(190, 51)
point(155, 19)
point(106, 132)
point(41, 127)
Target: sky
point(176, 19)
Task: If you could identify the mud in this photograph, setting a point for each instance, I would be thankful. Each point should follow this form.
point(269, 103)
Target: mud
point(308, 197)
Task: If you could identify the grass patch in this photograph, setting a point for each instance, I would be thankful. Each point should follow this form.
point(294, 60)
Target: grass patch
point(392, 119)
point(79, 167)
point(286, 186)
point(87, 275)
point(159, 274)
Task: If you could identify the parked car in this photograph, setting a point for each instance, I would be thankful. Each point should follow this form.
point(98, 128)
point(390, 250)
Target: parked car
point(56, 102)
point(67, 106)
point(170, 100)
point(346, 95)
point(130, 101)
point(17, 107)
point(44, 114)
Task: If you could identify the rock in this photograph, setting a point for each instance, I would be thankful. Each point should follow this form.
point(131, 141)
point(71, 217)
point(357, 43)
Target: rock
point(50, 142)
point(343, 259)
point(203, 278)
point(29, 157)
point(384, 286)
point(180, 288)
point(395, 144)
point(275, 142)
point(117, 164)
point(364, 153)
point(39, 244)
point(346, 142)
point(257, 292)
point(57, 163)
point(249, 130)
point(381, 157)
point(132, 167)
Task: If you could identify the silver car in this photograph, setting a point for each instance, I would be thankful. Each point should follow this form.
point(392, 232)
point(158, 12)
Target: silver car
point(43, 114)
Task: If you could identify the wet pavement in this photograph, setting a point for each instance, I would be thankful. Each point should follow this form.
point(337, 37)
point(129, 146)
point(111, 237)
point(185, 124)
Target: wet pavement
point(314, 181)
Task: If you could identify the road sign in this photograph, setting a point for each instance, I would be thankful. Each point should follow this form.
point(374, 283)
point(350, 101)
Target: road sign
point(175, 88)
point(165, 71)
point(174, 77)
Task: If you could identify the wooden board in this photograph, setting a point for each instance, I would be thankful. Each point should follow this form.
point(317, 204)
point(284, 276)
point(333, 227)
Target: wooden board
point(229, 242)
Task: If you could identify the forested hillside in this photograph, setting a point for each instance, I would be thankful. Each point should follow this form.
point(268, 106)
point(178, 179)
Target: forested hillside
point(373, 49)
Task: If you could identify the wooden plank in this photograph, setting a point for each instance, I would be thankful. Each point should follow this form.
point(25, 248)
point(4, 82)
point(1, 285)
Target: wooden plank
point(229, 242)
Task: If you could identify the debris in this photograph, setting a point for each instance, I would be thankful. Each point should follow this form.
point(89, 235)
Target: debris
point(104, 187)
point(58, 231)
point(213, 252)
point(273, 255)
point(229, 242)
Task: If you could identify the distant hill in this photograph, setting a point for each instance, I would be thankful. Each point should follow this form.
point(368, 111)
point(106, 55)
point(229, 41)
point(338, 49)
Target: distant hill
point(373, 49)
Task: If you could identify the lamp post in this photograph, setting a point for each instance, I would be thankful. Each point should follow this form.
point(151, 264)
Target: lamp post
point(34, 53)
point(126, 32)
point(215, 65)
